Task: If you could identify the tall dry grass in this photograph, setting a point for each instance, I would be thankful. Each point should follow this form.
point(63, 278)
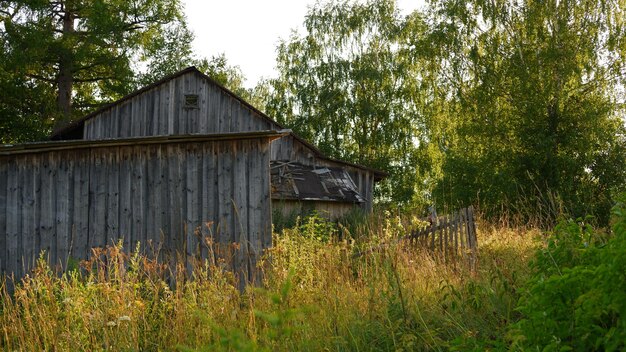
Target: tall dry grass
point(316, 296)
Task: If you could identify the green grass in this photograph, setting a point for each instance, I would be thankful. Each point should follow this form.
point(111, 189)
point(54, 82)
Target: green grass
point(316, 296)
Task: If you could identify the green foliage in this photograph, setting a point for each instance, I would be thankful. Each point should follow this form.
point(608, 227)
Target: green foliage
point(577, 297)
point(350, 85)
point(536, 102)
point(316, 227)
point(81, 54)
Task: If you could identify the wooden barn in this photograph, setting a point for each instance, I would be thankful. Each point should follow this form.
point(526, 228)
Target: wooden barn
point(170, 165)
point(191, 102)
point(173, 192)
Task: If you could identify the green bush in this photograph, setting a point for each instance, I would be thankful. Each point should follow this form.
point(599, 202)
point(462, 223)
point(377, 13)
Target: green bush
point(577, 297)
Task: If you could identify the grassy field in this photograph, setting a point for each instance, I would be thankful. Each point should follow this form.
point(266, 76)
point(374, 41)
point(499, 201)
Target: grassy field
point(316, 296)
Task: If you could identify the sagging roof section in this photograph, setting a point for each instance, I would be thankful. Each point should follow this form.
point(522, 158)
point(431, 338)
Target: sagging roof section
point(295, 181)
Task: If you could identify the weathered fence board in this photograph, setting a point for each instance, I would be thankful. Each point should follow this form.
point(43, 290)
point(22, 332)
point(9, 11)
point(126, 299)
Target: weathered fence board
point(451, 236)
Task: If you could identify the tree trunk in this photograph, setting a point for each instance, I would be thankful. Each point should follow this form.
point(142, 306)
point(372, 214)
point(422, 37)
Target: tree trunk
point(65, 79)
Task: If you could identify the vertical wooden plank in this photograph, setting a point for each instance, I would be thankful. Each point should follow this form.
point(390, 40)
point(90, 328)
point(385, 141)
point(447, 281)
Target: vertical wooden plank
point(184, 114)
point(213, 195)
point(48, 196)
point(124, 116)
point(225, 113)
point(135, 116)
point(97, 197)
point(225, 187)
point(93, 128)
point(80, 229)
point(266, 207)
point(472, 237)
point(178, 106)
point(154, 113)
point(255, 212)
point(191, 201)
point(138, 197)
point(199, 199)
point(209, 114)
point(125, 222)
point(87, 131)
point(204, 188)
point(112, 216)
point(63, 216)
point(203, 100)
point(147, 196)
point(115, 124)
point(3, 213)
point(174, 195)
point(235, 117)
point(240, 154)
point(171, 106)
point(27, 168)
point(12, 260)
point(156, 210)
point(216, 108)
point(462, 233)
point(148, 113)
point(432, 235)
point(163, 109)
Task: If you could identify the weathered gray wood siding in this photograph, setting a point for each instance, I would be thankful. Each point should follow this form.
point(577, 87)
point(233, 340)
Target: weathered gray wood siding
point(161, 111)
point(167, 195)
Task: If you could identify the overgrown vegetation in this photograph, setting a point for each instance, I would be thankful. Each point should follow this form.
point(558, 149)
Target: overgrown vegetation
point(316, 296)
point(563, 291)
point(576, 299)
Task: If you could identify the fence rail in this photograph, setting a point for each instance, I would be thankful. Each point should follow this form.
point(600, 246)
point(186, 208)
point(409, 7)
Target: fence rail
point(451, 236)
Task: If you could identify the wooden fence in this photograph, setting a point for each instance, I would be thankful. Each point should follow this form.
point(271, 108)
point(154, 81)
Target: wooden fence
point(451, 237)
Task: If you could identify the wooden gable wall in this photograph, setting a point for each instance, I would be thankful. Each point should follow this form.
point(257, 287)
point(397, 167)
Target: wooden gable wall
point(161, 111)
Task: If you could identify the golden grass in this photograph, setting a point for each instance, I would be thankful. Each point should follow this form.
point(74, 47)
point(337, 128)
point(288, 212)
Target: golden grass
point(317, 297)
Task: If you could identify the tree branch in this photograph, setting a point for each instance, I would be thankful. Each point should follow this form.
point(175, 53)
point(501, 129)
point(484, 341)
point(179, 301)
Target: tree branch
point(93, 79)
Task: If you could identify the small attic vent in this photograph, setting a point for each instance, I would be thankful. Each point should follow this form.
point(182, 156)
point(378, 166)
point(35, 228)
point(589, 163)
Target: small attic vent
point(191, 101)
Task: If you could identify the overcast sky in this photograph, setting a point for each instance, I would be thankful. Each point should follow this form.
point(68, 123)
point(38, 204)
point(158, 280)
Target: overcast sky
point(247, 31)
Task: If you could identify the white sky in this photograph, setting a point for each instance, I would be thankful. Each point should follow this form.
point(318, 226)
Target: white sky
point(248, 31)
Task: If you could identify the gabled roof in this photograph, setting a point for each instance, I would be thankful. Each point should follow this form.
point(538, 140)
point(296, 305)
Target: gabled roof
point(75, 128)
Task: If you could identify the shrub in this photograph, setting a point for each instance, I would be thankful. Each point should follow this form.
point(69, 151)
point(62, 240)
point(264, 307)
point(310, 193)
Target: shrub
point(577, 297)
